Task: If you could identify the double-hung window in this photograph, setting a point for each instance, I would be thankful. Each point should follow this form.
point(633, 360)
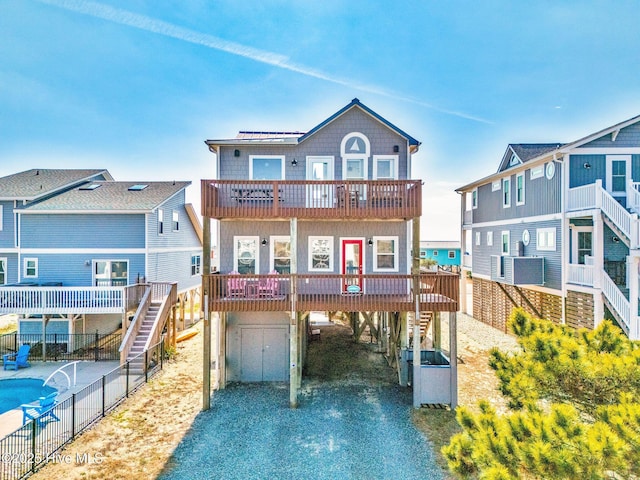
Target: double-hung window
point(385, 167)
point(506, 192)
point(195, 265)
point(30, 268)
point(520, 189)
point(175, 221)
point(385, 254)
point(160, 221)
point(3, 271)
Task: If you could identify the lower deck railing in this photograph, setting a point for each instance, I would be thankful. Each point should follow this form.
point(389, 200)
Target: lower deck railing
point(63, 346)
point(306, 292)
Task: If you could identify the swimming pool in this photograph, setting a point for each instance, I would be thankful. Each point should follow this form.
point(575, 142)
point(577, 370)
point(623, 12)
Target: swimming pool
point(16, 391)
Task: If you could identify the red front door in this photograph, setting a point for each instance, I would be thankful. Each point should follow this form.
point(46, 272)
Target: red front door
point(352, 265)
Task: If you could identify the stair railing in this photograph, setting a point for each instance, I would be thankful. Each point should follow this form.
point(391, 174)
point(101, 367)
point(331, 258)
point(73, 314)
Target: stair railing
point(169, 294)
point(617, 300)
point(134, 328)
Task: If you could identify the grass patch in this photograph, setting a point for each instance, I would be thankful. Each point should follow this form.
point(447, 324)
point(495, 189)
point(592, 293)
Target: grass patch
point(439, 425)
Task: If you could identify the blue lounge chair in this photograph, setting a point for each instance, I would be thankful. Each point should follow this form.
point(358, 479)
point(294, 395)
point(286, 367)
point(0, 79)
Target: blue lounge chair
point(42, 411)
point(19, 359)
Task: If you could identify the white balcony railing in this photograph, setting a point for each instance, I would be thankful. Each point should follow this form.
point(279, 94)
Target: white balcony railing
point(580, 274)
point(65, 300)
point(593, 196)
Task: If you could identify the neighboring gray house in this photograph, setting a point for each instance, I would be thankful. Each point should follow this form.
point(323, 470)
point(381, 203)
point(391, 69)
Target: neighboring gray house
point(325, 220)
point(78, 234)
point(555, 231)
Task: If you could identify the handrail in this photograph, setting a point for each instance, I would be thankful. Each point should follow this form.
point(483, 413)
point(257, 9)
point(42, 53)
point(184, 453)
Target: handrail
point(617, 300)
point(134, 328)
point(168, 299)
point(65, 374)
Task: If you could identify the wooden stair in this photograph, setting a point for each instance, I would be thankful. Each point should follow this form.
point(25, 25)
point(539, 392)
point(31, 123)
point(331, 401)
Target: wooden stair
point(136, 357)
point(425, 323)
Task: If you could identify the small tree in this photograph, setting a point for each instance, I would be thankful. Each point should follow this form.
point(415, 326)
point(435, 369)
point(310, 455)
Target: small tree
point(575, 406)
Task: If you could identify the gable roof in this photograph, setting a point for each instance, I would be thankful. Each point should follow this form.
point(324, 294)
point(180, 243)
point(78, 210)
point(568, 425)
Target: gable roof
point(296, 137)
point(37, 183)
point(110, 197)
point(525, 152)
point(613, 130)
point(356, 103)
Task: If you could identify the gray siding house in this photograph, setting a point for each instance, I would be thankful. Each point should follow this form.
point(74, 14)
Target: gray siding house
point(555, 231)
point(79, 230)
point(326, 220)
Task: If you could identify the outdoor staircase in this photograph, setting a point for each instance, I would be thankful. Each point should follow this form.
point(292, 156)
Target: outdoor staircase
point(135, 356)
point(425, 323)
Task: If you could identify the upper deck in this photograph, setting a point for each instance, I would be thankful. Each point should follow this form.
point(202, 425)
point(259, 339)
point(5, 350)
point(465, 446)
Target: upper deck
point(310, 199)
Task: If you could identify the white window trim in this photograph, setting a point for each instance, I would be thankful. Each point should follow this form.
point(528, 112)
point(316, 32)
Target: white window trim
point(272, 241)
point(521, 202)
point(496, 185)
point(237, 238)
point(434, 253)
point(502, 251)
point(331, 253)
point(451, 254)
point(506, 201)
point(175, 220)
point(545, 232)
point(536, 172)
point(474, 198)
point(574, 241)
point(274, 157)
point(394, 172)
point(609, 173)
point(3, 260)
point(160, 221)
point(1, 217)
point(199, 264)
point(489, 239)
point(395, 254)
point(360, 155)
point(24, 265)
point(110, 260)
point(478, 241)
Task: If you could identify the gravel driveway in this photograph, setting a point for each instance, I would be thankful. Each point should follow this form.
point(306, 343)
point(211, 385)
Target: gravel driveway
point(342, 429)
point(353, 422)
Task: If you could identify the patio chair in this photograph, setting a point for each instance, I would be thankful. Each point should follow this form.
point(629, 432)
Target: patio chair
point(41, 412)
point(268, 287)
point(236, 287)
point(13, 361)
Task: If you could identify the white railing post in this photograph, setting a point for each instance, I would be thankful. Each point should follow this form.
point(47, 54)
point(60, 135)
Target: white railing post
point(598, 194)
point(632, 266)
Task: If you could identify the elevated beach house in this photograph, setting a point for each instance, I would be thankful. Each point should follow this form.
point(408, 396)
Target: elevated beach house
point(323, 220)
point(555, 230)
point(74, 242)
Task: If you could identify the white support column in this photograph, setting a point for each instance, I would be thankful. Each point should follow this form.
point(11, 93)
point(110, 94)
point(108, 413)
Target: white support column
point(598, 268)
point(416, 384)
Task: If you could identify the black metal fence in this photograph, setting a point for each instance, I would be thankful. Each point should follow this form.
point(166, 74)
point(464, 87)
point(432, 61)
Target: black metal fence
point(59, 346)
point(37, 443)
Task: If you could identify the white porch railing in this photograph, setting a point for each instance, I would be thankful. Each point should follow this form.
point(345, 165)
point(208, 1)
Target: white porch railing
point(61, 300)
point(593, 196)
point(580, 274)
point(633, 196)
point(618, 301)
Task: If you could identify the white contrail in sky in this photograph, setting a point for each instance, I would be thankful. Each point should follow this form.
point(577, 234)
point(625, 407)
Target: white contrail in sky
point(142, 22)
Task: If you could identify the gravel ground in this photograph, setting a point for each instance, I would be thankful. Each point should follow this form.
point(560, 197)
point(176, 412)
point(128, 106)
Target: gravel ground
point(340, 430)
point(353, 422)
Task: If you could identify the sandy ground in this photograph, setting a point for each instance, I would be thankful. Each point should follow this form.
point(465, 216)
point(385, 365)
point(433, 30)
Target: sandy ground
point(138, 437)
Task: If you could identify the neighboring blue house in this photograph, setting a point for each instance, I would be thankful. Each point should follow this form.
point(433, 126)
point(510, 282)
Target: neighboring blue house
point(556, 231)
point(445, 253)
point(70, 229)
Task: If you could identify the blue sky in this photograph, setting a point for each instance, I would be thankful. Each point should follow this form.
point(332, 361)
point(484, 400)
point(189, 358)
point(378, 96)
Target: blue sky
point(137, 86)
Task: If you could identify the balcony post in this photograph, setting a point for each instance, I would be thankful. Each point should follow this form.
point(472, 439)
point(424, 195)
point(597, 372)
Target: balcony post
point(206, 354)
point(294, 342)
point(415, 271)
